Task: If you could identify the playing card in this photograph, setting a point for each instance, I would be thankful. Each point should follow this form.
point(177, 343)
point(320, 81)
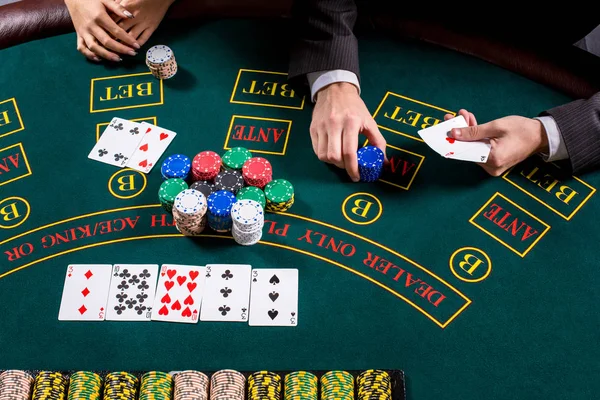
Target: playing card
point(179, 293)
point(154, 142)
point(131, 293)
point(226, 293)
point(85, 293)
point(274, 297)
point(117, 143)
point(437, 137)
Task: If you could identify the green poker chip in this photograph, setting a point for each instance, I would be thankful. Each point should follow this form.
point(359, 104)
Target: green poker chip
point(236, 157)
point(252, 193)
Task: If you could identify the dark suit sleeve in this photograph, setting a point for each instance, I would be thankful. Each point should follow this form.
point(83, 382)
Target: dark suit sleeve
point(579, 125)
point(324, 37)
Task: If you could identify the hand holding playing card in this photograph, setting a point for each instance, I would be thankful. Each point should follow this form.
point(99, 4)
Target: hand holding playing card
point(512, 139)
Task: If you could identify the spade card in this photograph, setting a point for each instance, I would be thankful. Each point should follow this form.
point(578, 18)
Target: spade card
point(131, 293)
point(226, 293)
point(154, 142)
point(85, 293)
point(438, 138)
point(117, 143)
point(274, 297)
point(179, 293)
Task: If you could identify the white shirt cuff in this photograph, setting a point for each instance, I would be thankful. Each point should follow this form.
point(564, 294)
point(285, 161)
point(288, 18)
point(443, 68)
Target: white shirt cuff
point(318, 80)
point(556, 146)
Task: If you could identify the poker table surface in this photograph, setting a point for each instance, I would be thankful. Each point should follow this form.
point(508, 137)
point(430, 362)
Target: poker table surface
point(474, 286)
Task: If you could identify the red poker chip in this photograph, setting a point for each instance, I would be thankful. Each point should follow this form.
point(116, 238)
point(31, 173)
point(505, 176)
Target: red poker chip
point(207, 162)
point(256, 168)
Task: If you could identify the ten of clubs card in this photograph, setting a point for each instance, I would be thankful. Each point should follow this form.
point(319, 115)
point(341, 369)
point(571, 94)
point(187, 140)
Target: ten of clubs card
point(179, 293)
point(85, 293)
point(131, 295)
point(274, 297)
point(226, 293)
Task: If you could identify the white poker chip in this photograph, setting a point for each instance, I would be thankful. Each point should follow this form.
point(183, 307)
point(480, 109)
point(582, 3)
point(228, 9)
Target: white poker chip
point(191, 201)
point(159, 54)
point(247, 212)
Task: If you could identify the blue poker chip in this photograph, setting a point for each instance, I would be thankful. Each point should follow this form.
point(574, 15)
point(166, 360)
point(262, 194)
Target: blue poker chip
point(176, 166)
point(220, 203)
point(370, 163)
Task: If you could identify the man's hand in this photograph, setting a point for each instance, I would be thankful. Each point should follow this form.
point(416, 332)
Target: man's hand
point(148, 15)
point(97, 32)
point(513, 139)
point(339, 117)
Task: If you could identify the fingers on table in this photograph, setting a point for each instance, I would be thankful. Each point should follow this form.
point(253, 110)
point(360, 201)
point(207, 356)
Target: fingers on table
point(351, 131)
point(83, 49)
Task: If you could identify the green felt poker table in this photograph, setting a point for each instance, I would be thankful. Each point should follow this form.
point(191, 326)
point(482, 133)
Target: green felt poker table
point(473, 286)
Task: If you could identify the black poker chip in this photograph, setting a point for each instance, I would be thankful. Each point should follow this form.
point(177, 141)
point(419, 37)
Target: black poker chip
point(229, 180)
point(205, 187)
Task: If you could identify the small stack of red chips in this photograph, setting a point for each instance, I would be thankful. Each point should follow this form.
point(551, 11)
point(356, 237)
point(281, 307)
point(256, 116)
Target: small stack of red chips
point(206, 166)
point(257, 172)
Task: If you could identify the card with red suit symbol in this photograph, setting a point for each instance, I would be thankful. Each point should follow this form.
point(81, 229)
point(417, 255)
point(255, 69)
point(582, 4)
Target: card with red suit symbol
point(85, 292)
point(154, 143)
point(179, 293)
point(438, 138)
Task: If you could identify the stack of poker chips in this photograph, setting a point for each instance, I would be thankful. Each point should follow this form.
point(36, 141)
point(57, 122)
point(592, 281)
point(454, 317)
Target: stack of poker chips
point(206, 166)
point(236, 157)
point(257, 172)
point(169, 190)
point(206, 187)
point(176, 166)
point(161, 62)
point(219, 210)
point(252, 193)
point(374, 384)
point(370, 163)
point(227, 384)
point(190, 385)
point(156, 385)
point(301, 385)
point(280, 195)
point(337, 385)
point(50, 386)
point(189, 212)
point(248, 220)
point(229, 180)
point(264, 385)
point(85, 385)
point(15, 385)
point(120, 386)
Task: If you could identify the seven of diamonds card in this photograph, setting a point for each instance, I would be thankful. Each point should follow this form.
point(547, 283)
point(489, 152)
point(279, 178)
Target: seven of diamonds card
point(179, 293)
point(226, 293)
point(85, 293)
point(131, 295)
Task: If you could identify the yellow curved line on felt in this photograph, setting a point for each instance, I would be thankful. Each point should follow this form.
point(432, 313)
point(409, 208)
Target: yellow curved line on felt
point(408, 260)
point(174, 235)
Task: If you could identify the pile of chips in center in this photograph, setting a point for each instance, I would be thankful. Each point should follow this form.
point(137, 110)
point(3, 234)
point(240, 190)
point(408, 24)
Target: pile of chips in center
point(248, 219)
point(227, 384)
point(374, 384)
point(50, 386)
point(215, 186)
point(161, 61)
point(264, 385)
point(156, 385)
point(337, 385)
point(301, 385)
point(189, 212)
point(120, 386)
point(190, 385)
point(85, 386)
point(15, 385)
point(370, 163)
